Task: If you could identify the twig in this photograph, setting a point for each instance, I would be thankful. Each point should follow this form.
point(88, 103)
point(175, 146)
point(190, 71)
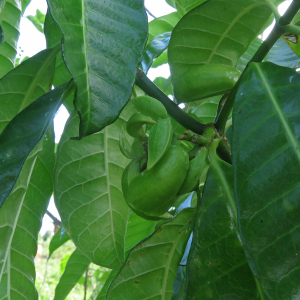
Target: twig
point(44, 280)
point(56, 222)
point(85, 283)
point(149, 13)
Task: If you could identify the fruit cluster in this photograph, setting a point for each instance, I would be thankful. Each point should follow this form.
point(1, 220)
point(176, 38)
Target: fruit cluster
point(160, 170)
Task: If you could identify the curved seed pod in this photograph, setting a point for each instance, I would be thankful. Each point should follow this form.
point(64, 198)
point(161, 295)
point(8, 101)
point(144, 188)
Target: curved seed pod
point(124, 145)
point(197, 166)
point(151, 193)
point(150, 107)
point(135, 124)
point(205, 81)
point(138, 150)
point(159, 141)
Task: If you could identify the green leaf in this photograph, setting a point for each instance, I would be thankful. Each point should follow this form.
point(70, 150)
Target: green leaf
point(91, 204)
point(109, 47)
point(23, 133)
point(205, 112)
point(217, 261)
point(218, 32)
point(162, 24)
point(57, 241)
point(161, 60)
point(75, 267)
point(266, 160)
point(282, 55)
point(37, 20)
point(150, 269)
point(137, 229)
point(179, 284)
point(25, 3)
point(10, 20)
point(164, 84)
point(184, 6)
point(102, 293)
point(154, 49)
point(20, 221)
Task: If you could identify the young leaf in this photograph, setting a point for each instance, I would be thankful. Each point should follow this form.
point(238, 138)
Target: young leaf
point(37, 20)
point(91, 204)
point(150, 268)
point(218, 32)
point(20, 221)
point(266, 160)
point(23, 133)
point(75, 267)
point(10, 16)
point(109, 47)
point(217, 261)
point(57, 240)
point(154, 49)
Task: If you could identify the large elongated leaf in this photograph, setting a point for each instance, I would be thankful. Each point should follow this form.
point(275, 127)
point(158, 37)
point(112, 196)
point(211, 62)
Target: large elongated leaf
point(150, 269)
point(75, 267)
point(10, 20)
point(20, 221)
point(57, 241)
point(218, 32)
point(217, 261)
point(91, 203)
point(266, 160)
point(102, 47)
point(184, 6)
point(23, 133)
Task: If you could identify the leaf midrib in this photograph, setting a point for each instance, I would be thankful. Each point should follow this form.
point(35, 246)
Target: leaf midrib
point(288, 132)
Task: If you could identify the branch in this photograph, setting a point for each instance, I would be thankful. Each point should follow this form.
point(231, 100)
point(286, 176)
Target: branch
point(56, 222)
point(188, 122)
point(276, 33)
point(149, 13)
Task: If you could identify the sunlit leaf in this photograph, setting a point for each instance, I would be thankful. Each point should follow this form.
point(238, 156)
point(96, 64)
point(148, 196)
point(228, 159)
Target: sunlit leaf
point(57, 241)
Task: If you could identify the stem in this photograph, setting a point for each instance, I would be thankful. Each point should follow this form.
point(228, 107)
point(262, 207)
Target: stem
point(85, 282)
point(149, 13)
point(277, 32)
point(292, 29)
point(143, 82)
point(56, 222)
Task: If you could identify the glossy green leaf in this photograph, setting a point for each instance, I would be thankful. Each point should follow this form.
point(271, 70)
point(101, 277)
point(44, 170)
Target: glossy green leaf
point(109, 48)
point(161, 60)
point(10, 20)
point(75, 267)
point(154, 49)
point(217, 261)
point(162, 24)
point(91, 204)
point(184, 6)
point(137, 229)
point(171, 2)
point(205, 112)
point(21, 219)
point(159, 141)
point(282, 55)
point(266, 160)
point(37, 20)
point(57, 240)
point(23, 133)
point(216, 32)
point(150, 269)
point(179, 284)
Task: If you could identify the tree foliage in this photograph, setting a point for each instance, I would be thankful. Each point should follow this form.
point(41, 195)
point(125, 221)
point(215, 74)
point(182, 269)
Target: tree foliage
point(191, 201)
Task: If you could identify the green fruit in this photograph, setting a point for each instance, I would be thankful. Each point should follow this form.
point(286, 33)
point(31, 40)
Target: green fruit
point(124, 145)
point(135, 124)
point(151, 193)
point(159, 141)
point(205, 81)
point(150, 107)
point(197, 166)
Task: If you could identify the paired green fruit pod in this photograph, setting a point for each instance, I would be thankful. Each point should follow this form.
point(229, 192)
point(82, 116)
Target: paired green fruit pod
point(134, 151)
point(159, 141)
point(152, 192)
point(198, 166)
point(135, 125)
point(205, 81)
point(150, 107)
